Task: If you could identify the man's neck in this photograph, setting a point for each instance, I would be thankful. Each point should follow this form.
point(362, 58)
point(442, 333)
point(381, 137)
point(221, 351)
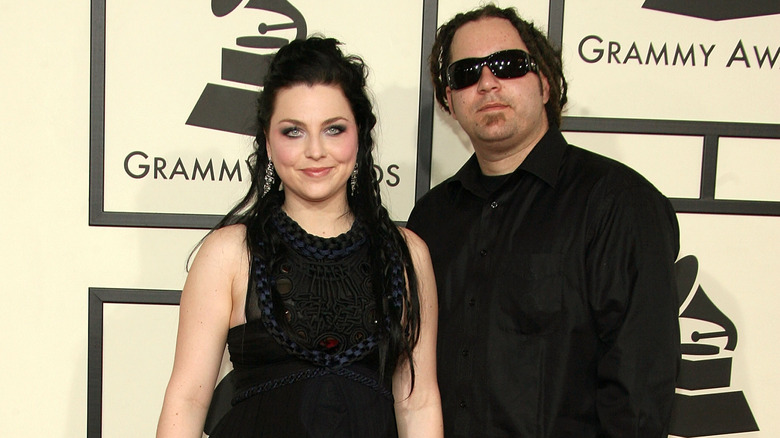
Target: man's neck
point(503, 160)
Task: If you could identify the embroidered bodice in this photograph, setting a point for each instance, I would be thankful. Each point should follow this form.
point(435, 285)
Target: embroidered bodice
point(317, 301)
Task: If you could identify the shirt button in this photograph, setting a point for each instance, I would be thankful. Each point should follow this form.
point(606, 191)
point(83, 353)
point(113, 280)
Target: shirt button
point(493, 204)
point(464, 352)
point(483, 253)
point(462, 404)
point(472, 302)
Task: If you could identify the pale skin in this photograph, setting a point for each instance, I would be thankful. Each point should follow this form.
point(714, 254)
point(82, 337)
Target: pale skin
point(504, 118)
point(312, 140)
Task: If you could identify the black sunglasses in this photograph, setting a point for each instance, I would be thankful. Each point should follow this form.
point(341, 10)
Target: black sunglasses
point(506, 64)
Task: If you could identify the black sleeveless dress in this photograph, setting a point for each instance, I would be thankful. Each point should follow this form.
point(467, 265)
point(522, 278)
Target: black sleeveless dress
point(306, 362)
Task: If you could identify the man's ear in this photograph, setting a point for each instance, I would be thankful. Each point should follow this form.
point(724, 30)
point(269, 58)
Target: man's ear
point(545, 88)
point(448, 93)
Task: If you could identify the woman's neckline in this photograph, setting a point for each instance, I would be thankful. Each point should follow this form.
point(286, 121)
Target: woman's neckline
point(348, 218)
point(310, 244)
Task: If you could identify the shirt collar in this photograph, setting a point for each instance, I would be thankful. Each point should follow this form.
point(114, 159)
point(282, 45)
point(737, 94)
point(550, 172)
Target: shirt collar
point(545, 158)
point(544, 161)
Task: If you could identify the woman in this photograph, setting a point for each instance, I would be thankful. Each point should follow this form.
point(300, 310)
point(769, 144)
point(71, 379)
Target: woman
point(328, 309)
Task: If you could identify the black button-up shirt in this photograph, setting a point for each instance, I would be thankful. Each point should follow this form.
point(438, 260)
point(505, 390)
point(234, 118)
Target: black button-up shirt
point(558, 305)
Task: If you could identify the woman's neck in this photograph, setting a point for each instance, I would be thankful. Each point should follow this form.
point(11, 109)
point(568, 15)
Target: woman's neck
point(321, 220)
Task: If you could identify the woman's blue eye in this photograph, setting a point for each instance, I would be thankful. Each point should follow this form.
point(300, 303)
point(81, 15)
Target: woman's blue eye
point(292, 131)
point(335, 129)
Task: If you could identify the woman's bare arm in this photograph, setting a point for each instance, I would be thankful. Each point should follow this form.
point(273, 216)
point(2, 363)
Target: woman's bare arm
point(419, 414)
point(218, 271)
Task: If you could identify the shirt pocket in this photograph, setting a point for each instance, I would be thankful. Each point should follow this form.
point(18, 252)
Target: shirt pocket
point(531, 301)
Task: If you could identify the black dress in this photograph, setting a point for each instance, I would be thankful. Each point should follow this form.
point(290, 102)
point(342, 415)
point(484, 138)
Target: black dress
point(306, 362)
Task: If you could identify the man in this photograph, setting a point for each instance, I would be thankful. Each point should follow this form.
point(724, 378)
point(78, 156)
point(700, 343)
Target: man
point(554, 266)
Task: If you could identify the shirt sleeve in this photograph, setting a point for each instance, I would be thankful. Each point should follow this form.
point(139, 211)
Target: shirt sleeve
point(633, 297)
point(413, 222)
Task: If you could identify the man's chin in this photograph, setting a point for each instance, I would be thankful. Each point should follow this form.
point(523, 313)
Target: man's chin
point(494, 129)
point(494, 137)
point(493, 119)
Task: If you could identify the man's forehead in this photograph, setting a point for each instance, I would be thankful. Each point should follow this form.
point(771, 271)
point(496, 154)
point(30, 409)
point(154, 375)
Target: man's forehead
point(482, 37)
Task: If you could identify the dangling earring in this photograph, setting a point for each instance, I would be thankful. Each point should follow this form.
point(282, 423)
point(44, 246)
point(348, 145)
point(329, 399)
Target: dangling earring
point(269, 177)
point(353, 181)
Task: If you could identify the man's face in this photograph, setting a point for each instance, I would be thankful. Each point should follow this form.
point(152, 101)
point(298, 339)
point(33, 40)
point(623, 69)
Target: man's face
point(500, 115)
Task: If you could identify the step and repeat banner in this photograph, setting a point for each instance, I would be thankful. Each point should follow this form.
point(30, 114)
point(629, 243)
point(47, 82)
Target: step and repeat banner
point(685, 92)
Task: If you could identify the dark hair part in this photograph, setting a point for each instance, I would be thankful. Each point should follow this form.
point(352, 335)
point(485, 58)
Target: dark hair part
point(319, 61)
point(547, 57)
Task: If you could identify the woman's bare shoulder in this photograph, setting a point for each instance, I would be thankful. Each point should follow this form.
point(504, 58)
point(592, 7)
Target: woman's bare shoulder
point(224, 246)
point(225, 238)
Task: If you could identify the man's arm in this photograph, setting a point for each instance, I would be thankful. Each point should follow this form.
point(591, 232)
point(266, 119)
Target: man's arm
point(633, 295)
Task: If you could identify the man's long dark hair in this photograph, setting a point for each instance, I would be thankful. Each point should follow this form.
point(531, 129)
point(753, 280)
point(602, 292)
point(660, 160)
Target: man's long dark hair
point(319, 61)
point(547, 57)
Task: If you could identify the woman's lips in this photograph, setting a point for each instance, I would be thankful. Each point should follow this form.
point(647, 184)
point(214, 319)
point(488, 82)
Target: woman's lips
point(315, 172)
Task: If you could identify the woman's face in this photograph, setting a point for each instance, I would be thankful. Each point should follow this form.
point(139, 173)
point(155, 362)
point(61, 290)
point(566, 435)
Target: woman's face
point(312, 140)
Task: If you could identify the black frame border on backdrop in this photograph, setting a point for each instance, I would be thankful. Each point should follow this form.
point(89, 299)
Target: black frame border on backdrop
point(97, 128)
point(97, 298)
point(98, 216)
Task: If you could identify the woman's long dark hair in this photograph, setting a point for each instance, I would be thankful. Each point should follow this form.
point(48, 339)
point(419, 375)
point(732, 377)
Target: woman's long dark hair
point(319, 61)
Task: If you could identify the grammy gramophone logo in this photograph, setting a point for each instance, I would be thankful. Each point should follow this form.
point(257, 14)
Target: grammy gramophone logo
point(224, 106)
point(716, 9)
point(708, 405)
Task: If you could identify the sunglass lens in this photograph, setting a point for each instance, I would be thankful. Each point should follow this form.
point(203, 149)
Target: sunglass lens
point(464, 74)
point(506, 64)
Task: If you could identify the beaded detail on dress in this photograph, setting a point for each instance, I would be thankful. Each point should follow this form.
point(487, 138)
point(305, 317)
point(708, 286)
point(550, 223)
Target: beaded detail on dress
point(318, 248)
point(322, 290)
